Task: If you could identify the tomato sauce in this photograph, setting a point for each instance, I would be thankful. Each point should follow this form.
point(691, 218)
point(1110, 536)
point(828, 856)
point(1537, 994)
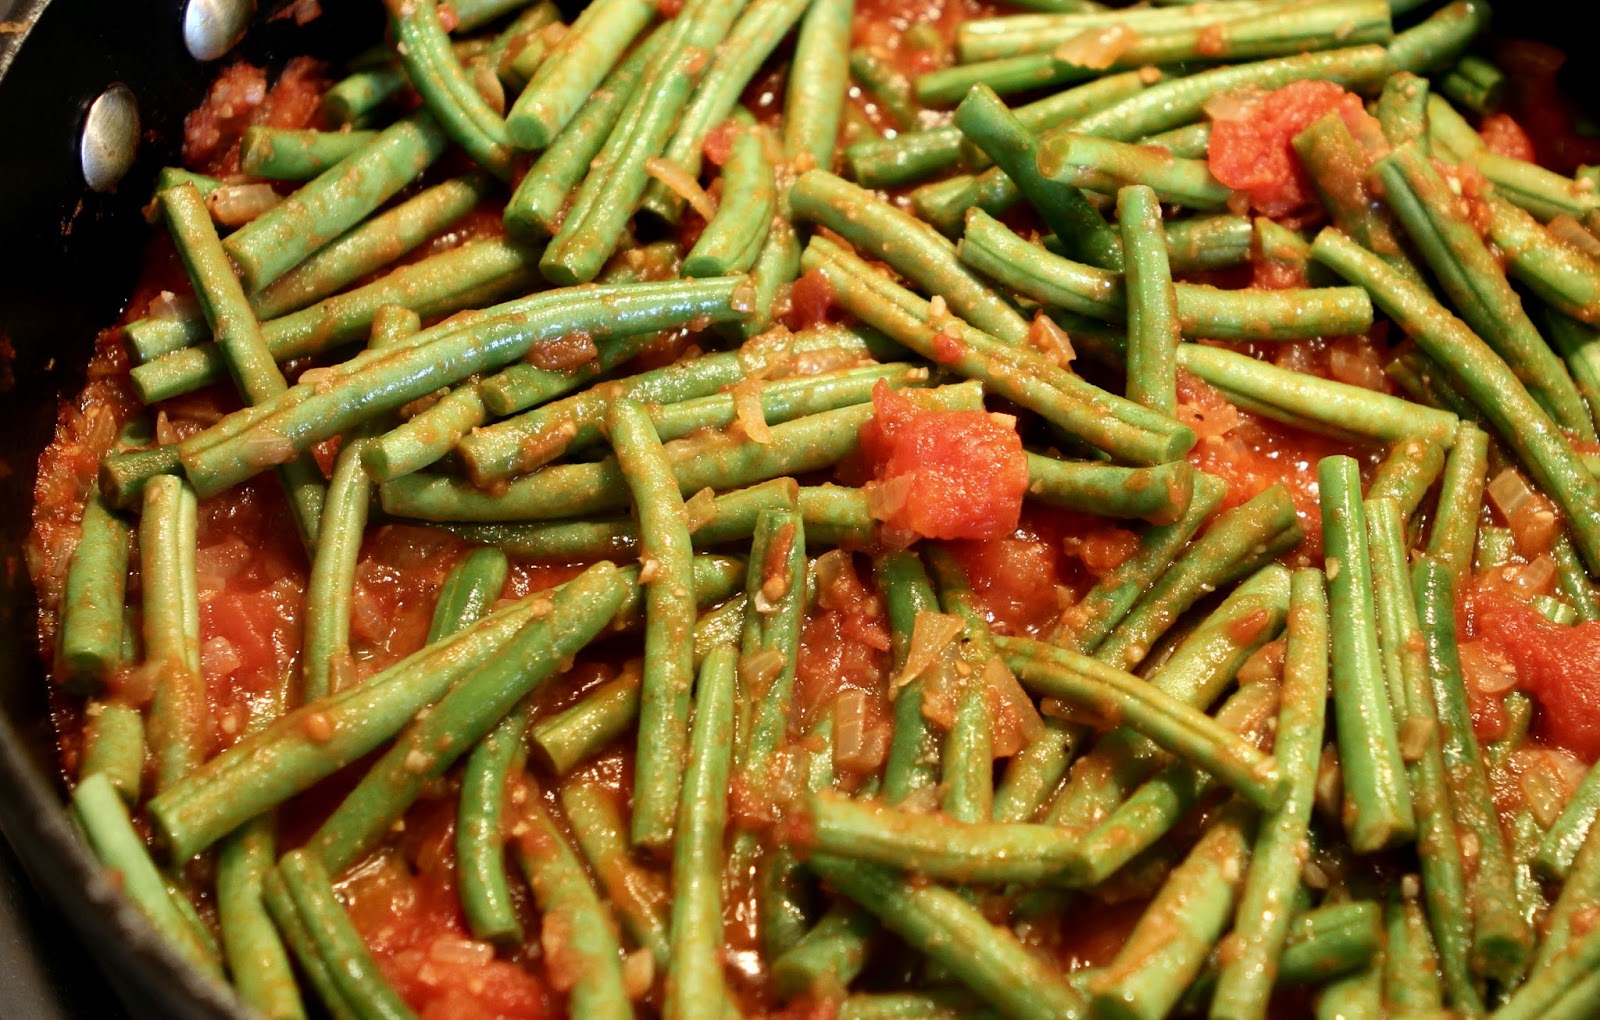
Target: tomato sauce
point(952, 478)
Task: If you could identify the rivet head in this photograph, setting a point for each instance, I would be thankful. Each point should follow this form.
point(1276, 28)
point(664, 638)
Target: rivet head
point(110, 138)
point(212, 27)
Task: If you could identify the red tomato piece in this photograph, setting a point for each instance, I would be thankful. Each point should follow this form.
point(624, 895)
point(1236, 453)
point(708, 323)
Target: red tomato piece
point(944, 474)
point(1250, 148)
point(1554, 664)
point(1504, 136)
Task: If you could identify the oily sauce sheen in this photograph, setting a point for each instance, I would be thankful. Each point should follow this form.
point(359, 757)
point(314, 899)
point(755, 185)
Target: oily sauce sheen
point(956, 477)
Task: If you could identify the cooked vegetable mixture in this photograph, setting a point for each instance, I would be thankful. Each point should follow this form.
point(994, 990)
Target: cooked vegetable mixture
point(876, 509)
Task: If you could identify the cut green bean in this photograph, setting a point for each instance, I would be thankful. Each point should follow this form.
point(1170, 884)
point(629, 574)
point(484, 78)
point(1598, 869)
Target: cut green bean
point(336, 200)
point(816, 91)
point(1407, 473)
point(955, 934)
point(638, 895)
point(1437, 41)
point(1153, 331)
point(480, 841)
point(568, 738)
point(670, 618)
point(92, 605)
point(574, 69)
point(283, 154)
point(1542, 192)
point(1099, 164)
point(694, 977)
point(113, 746)
point(1160, 495)
point(178, 725)
point(447, 93)
point(1339, 169)
point(1377, 805)
point(1491, 384)
point(1455, 524)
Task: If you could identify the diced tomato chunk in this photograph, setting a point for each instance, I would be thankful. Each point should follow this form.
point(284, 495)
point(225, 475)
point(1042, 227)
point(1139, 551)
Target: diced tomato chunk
point(944, 474)
point(1503, 135)
point(1250, 148)
point(1554, 664)
point(810, 301)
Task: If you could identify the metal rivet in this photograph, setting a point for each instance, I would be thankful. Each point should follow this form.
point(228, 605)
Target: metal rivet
point(212, 27)
point(110, 138)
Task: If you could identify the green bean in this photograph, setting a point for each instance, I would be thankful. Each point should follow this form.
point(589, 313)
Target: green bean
point(568, 738)
point(92, 604)
point(670, 616)
point(1562, 976)
point(892, 90)
point(257, 961)
point(325, 650)
point(1449, 134)
point(911, 247)
point(1407, 473)
point(1377, 806)
point(339, 198)
point(1156, 807)
point(480, 840)
point(754, 36)
point(538, 206)
point(1153, 331)
point(1192, 141)
point(113, 746)
point(297, 936)
point(934, 1004)
point(599, 212)
point(351, 99)
point(637, 894)
point(471, 14)
point(1501, 940)
point(179, 727)
point(574, 918)
point(1169, 722)
point(1494, 388)
point(1251, 314)
point(1411, 963)
point(733, 238)
point(1579, 345)
point(1099, 164)
point(1088, 622)
point(988, 38)
point(1541, 192)
point(438, 77)
point(1560, 846)
point(1339, 169)
point(694, 977)
point(953, 933)
point(477, 273)
point(915, 155)
point(1168, 947)
point(103, 817)
point(1160, 495)
point(817, 86)
point(267, 768)
point(828, 957)
point(1437, 42)
point(239, 339)
point(377, 382)
point(1274, 875)
point(714, 459)
point(1315, 403)
point(574, 68)
point(770, 644)
point(283, 154)
point(1460, 496)
point(1477, 286)
point(838, 516)
point(1235, 544)
point(562, 625)
point(1002, 76)
point(1402, 110)
point(432, 434)
point(934, 845)
point(1004, 138)
point(967, 754)
point(913, 762)
point(777, 265)
point(530, 440)
point(1168, 105)
point(1122, 428)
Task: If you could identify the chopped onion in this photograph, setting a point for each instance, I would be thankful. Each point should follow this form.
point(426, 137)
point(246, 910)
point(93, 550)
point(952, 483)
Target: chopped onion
point(1051, 340)
point(700, 509)
point(1509, 493)
point(168, 305)
point(1096, 48)
point(1484, 672)
point(487, 85)
point(860, 741)
point(1538, 577)
point(1014, 719)
point(1356, 364)
point(748, 412)
point(219, 658)
point(234, 205)
point(453, 950)
point(1415, 733)
point(681, 183)
point(932, 634)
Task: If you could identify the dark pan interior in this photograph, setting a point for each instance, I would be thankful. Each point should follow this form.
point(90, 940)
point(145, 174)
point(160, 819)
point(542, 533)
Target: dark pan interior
point(67, 262)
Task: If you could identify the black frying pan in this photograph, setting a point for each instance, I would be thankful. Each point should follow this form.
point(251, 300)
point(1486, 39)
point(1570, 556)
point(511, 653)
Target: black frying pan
point(68, 258)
